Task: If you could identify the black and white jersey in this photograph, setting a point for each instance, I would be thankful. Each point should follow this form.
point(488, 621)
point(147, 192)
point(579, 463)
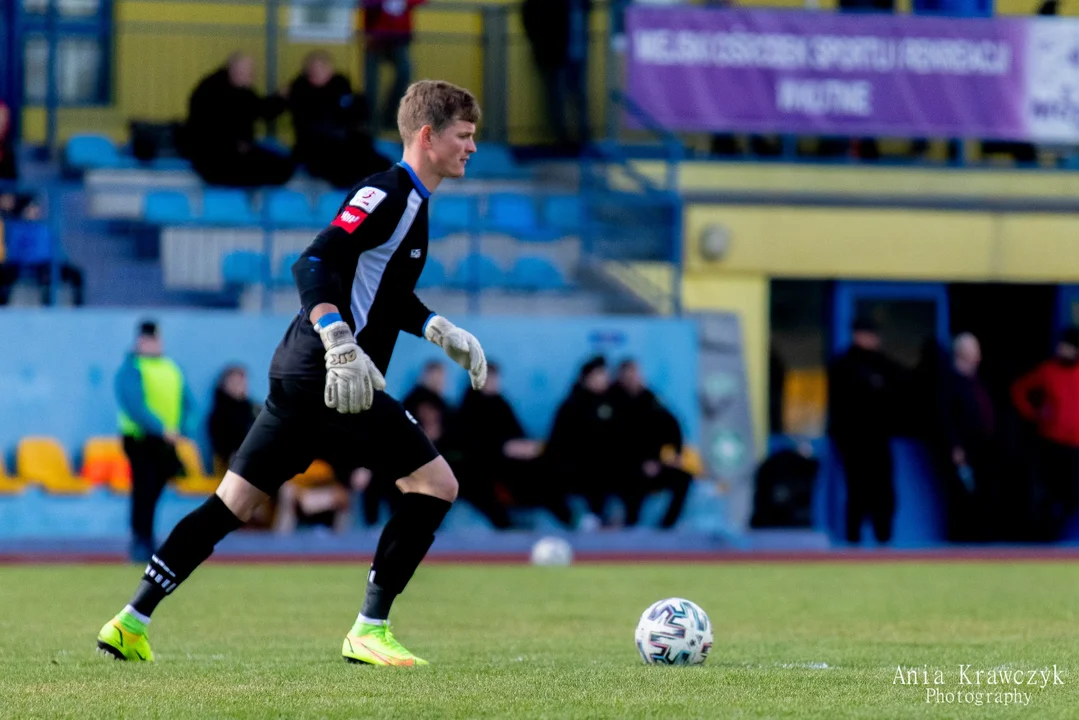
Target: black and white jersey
point(366, 263)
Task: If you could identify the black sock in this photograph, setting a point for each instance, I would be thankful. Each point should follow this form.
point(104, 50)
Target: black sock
point(405, 540)
point(187, 546)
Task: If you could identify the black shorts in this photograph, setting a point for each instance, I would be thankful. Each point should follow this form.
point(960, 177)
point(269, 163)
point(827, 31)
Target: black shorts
point(295, 428)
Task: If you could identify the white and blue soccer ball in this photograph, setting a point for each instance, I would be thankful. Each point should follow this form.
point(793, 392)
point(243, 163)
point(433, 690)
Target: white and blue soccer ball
point(552, 550)
point(674, 631)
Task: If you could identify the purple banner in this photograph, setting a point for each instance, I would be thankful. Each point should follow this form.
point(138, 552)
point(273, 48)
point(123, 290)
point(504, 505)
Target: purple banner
point(822, 73)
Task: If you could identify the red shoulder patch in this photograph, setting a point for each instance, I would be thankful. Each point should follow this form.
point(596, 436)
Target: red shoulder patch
point(349, 219)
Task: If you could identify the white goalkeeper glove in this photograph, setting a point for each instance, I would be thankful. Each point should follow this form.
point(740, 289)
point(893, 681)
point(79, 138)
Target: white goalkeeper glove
point(351, 376)
point(462, 347)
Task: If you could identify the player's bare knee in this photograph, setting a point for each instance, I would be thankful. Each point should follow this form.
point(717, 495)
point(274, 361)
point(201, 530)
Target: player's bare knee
point(240, 496)
point(435, 478)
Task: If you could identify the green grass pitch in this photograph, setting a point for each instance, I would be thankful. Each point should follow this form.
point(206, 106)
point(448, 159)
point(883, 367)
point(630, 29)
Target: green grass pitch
point(791, 641)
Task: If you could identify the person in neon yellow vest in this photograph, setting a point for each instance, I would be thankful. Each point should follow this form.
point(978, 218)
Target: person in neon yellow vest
point(155, 403)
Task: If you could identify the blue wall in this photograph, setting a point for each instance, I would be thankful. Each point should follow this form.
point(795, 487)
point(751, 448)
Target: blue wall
point(57, 366)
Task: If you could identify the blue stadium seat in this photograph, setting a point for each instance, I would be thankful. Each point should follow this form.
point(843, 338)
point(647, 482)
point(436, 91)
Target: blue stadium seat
point(289, 208)
point(244, 267)
point(226, 207)
point(85, 152)
point(536, 273)
point(284, 269)
point(493, 161)
point(564, 212)
point(391, 150)
point(433, 275)
point(328, 204)
point(452, 213)
point(28, 242)
point(478, 270)
point(170, 163)
point(516, 215)
point(167, 207)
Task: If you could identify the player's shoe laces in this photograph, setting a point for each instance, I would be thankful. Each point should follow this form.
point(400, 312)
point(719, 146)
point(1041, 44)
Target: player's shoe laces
point(119, 643)
point(376, 645)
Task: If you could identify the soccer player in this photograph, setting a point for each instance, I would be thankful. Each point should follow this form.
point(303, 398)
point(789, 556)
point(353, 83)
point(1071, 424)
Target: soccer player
point(356, 284)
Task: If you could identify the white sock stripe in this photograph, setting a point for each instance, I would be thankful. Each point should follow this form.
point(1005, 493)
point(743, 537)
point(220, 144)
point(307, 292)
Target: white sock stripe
point(144, 619)
point(369, 621)
point(162, 565)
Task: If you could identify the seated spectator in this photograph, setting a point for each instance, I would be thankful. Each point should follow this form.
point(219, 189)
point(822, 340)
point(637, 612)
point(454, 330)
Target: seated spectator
point(331, 125)
point(583, 448)
point(643, 427)
point(8, 169)
point(231, 417)
point(315, 499)
point(219, 137)
point(497, 465)
point(427, 404)
point(29, 247)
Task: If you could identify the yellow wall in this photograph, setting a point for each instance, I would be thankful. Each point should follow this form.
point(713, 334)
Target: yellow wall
point(163, 48)
point(867, 182)
point(888, 244)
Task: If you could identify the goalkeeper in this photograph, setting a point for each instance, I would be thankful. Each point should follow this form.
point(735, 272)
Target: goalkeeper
point(356, 283)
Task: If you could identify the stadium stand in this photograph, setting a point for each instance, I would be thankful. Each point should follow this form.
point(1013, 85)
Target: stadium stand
point(195, 481)
point(105, 464)
point(42, 460)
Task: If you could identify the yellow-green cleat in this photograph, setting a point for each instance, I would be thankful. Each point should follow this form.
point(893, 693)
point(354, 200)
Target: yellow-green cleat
point(119, 643)
point(376, 645)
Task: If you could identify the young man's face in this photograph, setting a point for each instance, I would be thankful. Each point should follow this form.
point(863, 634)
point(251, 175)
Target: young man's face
point(451, 149)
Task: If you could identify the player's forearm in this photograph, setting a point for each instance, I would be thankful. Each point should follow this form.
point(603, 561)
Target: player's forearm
point(321, 310)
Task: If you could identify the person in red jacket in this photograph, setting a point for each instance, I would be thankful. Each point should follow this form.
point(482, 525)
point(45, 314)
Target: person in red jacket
point(387, 27)
point(1049, 397)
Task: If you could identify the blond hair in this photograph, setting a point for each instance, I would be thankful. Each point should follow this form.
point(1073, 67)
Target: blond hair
point(436, 103)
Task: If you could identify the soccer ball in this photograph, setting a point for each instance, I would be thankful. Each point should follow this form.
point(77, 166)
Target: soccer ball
point(552, 551)
point(674, 632)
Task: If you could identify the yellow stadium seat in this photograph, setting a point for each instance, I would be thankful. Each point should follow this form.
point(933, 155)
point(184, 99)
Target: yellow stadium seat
point(10, 485)
point(690, 461)
point(196, 482)
point(317, 474)
point(105, 464)
point(42, 460)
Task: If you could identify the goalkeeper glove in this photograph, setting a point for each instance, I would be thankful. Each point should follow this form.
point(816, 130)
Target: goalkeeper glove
point(351, 376)
point(462, 347)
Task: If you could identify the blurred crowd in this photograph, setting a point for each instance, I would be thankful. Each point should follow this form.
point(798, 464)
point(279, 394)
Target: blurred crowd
point(29, 248)
point(611, 439)
point(1006, 469)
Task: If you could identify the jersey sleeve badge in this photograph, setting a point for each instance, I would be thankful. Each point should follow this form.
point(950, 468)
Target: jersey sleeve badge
point(362, 204)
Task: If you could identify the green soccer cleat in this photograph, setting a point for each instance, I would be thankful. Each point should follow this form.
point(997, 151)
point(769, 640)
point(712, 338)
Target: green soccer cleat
point(376, 645)
point(119, 643)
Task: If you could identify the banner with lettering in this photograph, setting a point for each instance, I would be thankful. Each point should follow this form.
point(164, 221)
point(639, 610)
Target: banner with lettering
point(766, 71)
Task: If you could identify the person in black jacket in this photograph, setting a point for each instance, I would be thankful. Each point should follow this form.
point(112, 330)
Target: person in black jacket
point(863, 392)
point(643, 427)
point(331, 125)
point(581, 451)
point(232, 415)
point(219, 137)
point(557, 31)
point(498, 464)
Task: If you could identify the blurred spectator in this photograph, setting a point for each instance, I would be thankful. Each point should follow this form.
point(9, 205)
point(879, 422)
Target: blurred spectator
point(783, 492)
point(583, 448)
point(863, 389)
point(231, 417)
point(8, 169)
point(155, 404)
point(498, 464)
point(29, 247)
point(219, 136)
point(557, 31)
point(427, 403)
point(643, 427)
point(1049, 397)
point(316, 499)
point(388, 33)
point(970, 457)
point(332, 138)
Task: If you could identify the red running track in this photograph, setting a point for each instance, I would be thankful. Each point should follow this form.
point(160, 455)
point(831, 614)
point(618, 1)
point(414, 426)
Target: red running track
point(1045, 554)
